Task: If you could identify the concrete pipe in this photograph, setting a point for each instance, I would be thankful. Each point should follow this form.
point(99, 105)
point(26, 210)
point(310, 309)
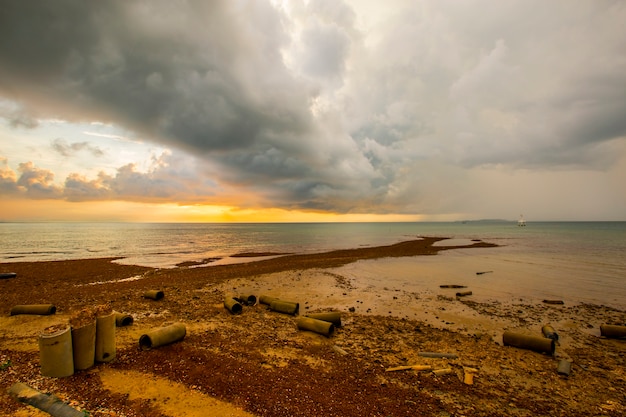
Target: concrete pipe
point(40, 309)
point(55, 353)
point(611, 331)
point(154, 294)
point(122, 319)
point(247, 299)
point(105, 338)
point(163, 336)
point(286, 307)
point(332, 316)
point(48, 403)
point(264, 299)
point(84, 346)
point(564, 367)
point(232, 305)
point(322, 327)
point(549, 332)
point(536, 344)
point(438, 355)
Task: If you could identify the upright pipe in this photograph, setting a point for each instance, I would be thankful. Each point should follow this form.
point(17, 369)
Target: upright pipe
point(286, 307)
point(105, 338)
point(41, 309)
point(56, 354)
point(163, 336)
point(325, 328)
point(611, 331)
point(332, 316)
point(84, 345)
point(537, 344)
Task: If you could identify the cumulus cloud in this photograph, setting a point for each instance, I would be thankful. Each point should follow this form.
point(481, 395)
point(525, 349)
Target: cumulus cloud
point(166, 179)
point(323, 104)
point(36, 182)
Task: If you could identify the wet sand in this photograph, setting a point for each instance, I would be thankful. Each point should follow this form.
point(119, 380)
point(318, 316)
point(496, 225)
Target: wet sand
point(258, 363)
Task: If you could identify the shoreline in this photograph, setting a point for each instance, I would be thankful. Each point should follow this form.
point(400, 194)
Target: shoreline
point(227, 362)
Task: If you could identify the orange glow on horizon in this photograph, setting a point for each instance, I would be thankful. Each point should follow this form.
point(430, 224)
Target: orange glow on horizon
point(23, 210)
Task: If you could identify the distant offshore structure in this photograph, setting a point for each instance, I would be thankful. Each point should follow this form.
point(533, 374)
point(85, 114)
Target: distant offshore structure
point(521, 222)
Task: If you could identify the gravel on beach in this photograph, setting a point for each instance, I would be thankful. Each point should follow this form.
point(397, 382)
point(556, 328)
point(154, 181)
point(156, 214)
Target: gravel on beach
point(258, 362)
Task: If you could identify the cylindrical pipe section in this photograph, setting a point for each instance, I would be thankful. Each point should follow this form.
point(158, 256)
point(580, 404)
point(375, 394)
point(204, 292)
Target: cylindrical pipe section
point(232, 305)
point(248, 299)
point(163, 336)
point(55, 353)
point(611, 331)
point(40, 309)
point(122, 319)
point(154, 294)
point(105, 338)
point(265, 299)
point(332, 316)
point(322, 327)
point(84, 346)
point(438, 355)
point(549, 332)
point(564, 367)
point(45, 402)
point(286, 307)
point(522, 341)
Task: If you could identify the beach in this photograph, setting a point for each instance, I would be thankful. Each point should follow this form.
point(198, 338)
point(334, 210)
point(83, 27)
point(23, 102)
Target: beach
point(259, 363)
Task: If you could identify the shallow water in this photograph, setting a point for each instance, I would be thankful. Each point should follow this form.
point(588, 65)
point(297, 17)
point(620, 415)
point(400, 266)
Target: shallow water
point(578, 261)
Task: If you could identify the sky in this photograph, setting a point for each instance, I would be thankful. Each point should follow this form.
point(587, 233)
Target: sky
point(321, 110)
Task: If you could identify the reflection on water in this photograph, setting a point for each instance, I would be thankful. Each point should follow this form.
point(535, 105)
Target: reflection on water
point(576, 260)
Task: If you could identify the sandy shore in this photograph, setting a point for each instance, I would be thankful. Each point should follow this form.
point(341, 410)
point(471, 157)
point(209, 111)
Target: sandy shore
point(259, 363)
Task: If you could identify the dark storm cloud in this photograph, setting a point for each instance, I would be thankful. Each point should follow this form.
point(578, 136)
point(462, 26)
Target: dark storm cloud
point(203, 74)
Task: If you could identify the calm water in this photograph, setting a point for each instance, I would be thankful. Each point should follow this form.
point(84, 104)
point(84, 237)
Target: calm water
point(587, 256)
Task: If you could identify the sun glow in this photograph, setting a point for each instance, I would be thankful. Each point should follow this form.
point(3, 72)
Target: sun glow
point(54, 210)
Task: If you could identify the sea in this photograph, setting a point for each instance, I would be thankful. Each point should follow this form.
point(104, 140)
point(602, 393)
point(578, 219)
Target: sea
point(577, 261)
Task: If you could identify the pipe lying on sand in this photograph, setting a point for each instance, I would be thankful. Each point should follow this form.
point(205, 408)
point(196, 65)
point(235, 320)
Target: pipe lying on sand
point(55, 353)
point(40, 309)
point(438, 355)
point(48, 403)
point(154, 294)
point(332, 316)
point(612, 331)
point(322, 327)
point(266, 299)
point(286, 307)
point(123, 319)
point(564, 367)
point(247, 299)
point(536, 344)
point(163, 336)
point(232, 305)
point(549, 332)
